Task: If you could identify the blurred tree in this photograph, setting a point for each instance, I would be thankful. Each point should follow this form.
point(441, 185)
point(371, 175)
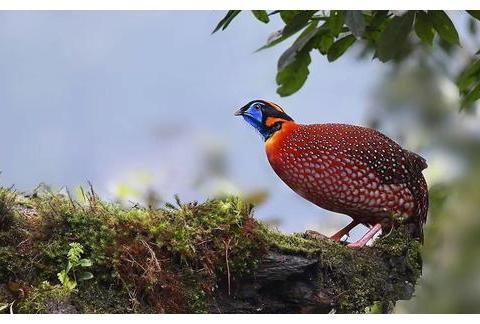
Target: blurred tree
point(387, 35)
point(137, 186)
point(209, 174)
point(415, 104)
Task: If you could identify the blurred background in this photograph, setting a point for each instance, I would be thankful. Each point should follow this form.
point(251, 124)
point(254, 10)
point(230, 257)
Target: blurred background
point(140, 104)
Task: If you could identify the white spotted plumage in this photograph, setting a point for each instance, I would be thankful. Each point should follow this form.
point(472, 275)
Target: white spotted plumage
point(352, 170)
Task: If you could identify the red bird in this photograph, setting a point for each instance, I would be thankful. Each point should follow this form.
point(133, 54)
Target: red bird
point(347, 169)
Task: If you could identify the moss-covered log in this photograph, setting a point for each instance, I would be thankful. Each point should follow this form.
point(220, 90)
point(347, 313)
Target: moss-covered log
point(189, 258)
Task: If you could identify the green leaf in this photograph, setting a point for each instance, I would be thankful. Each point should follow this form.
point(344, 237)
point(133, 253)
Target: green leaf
point(474, 13)
point(307, 31)
point(325, 43)
point(292, 77)
point(472, 96)
point(76, 249)
point(297, 23)
point(465, 83)
point(468, 76)
point(300, 43)
point(378, 19)
point(287, 15)
point(444, 26)
point(336, 21)
point(69, 266)
point(71, 284)
point(85, 263)
point(261, 15)
point(226, 20)
point(65, 280)
point(85, 276)
point(376, 24)
point(62, 277)
point(356, 22)
point(394, 36)
point(339, 47)
point(424, 28)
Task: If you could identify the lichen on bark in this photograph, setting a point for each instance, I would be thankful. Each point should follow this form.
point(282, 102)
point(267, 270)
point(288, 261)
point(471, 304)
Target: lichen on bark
point(189, 258)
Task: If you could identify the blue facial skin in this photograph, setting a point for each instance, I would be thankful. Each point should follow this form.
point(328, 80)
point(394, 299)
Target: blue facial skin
point(254, 116)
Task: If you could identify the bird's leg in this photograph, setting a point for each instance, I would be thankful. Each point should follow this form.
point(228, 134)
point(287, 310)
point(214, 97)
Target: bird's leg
point(361, 242)
point(344, 231)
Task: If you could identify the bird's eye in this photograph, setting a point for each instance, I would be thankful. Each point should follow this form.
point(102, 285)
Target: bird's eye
point(258, 106)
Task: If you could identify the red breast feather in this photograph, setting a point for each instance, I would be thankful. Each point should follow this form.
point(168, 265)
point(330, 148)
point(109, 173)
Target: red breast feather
point(351, 170)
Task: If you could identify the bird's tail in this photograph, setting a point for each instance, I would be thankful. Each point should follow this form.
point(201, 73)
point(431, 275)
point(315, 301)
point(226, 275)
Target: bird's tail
point(420, 192)
point(421, 198)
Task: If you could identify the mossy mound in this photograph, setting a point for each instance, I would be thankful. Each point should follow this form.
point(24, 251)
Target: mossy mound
point(175, 259)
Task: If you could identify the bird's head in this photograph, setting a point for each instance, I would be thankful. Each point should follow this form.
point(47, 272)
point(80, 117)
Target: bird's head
point(266, 117)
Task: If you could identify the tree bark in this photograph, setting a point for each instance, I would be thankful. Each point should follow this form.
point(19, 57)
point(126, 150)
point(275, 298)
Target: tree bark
point(289, 283)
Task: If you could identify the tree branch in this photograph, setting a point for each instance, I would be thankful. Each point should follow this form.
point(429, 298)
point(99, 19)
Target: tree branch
point(210, 257)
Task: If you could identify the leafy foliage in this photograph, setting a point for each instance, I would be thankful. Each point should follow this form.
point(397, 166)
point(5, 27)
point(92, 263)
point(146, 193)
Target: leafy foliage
point(411, 104)
point(444, 26)
point(396, 32)
point(226, 20)
point(339, 47)
point(424, 28)
point(469, 83)
point(261, 15)
point(390, 36)
point(73, 264)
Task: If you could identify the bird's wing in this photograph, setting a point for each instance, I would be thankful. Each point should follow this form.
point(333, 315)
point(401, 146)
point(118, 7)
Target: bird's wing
point(392, 163)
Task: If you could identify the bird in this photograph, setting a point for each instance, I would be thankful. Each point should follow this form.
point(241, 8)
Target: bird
point(348, 169)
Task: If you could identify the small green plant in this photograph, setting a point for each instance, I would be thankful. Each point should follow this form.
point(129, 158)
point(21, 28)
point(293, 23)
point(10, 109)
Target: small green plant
point(75, 262)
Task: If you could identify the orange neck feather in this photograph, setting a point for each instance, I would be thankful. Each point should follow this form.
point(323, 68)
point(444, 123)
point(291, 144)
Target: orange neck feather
point(274, 142)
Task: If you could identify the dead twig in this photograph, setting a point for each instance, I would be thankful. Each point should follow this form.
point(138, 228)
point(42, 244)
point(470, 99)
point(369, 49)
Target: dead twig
point(227, 247)
point(152, 255)
point(11, 307)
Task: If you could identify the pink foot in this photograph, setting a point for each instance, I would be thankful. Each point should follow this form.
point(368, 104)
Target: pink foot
point(361, 242)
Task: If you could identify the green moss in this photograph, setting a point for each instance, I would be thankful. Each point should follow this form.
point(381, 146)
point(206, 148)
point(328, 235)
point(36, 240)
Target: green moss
point(294, 243)
point(196, 296)
point(94, 298)
point(172, 259)
point(361, 277)
point(7, 199)
point(10, 262)
point(165, 260)
point(400, 243)
point(45, 298)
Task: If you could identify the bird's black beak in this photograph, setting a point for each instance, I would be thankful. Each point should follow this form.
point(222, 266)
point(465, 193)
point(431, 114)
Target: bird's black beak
point(239, 112)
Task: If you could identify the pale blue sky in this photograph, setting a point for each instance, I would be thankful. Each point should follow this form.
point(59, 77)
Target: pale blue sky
point(84, 94)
